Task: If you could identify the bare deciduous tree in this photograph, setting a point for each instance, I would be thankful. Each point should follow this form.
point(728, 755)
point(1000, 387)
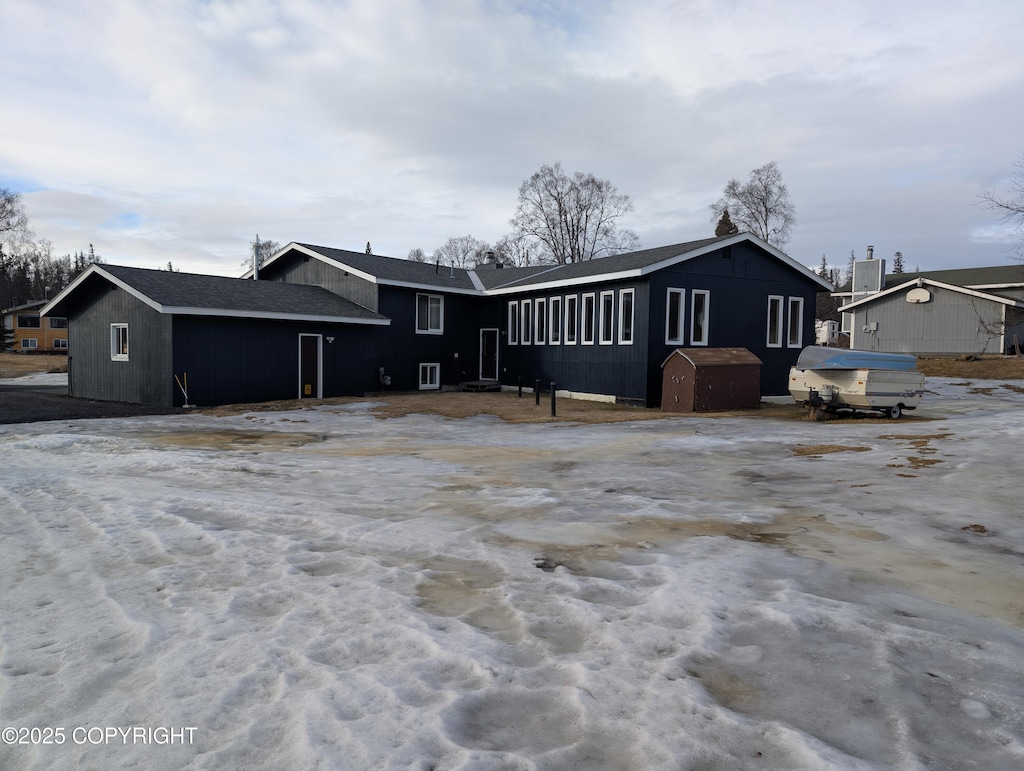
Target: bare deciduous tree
point(1012, 210)
point(564, 219)
point(461, 251)
point(265, 249)
point(13, 220)
point(417, 255)
point(760, 205)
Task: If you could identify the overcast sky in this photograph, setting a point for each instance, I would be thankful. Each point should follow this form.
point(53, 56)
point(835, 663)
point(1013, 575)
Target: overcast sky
point(171, 130)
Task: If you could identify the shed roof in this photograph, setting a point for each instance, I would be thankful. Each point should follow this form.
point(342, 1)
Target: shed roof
point(714, 357)
point(199, 295)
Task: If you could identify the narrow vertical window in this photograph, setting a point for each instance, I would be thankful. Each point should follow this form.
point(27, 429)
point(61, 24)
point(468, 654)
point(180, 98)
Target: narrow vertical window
point(513, 322)
point(774, 321)
point(796, 322)
point(525, 321)
point(555, 322)
point(626, 316)
point(540, 309)
point(119, 342)
point(589, 314)
point(699, 310)
point(571, 319)
point(607, 317)
point(674, 316)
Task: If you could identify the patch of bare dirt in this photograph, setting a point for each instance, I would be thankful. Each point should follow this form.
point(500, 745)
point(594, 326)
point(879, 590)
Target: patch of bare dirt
point(825, 449)
point(979, 367)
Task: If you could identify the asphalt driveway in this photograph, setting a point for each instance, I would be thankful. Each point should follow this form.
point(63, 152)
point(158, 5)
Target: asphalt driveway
point(29, 403)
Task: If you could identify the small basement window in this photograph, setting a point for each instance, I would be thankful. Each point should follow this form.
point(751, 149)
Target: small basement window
point(29, 343)
point(60, 344)
point(119, 342)
point(430, 376)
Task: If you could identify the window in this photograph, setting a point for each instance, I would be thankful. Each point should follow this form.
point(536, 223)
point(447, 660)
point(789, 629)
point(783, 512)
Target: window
point(589, 310)
point(429, 314)
point(60, 344)
point(119, 342)
point(674, 316)
point(513, 323)
point(29, 342)
point(430, 376)
point(571, 319)
point(774, 321)
point(796, 322)
point(28, 322)
point(540, 317)
point(525, 309)
point(701, 299)
point(625, 317)
point(555, 323)
point(58, 323)
point(607, 317)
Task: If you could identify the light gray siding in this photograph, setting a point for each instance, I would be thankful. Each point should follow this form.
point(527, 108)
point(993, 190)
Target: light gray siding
point(951, 322)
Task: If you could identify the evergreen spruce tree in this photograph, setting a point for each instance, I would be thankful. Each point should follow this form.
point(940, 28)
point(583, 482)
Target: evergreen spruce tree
point(725, 226)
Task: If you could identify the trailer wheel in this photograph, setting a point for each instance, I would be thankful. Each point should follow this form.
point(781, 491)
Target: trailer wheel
point(895, 412)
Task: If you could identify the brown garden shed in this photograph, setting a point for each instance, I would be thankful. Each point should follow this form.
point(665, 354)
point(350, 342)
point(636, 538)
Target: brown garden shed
point(708, 379)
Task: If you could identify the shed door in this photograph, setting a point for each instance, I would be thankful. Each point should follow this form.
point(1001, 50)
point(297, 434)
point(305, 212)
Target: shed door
point(310, 359)
point(488, 354)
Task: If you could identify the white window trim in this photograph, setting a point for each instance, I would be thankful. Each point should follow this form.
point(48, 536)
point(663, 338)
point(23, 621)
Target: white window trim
point(680, 331)
point(115, 354)
point(796, 342)
point(610, 327)
point(513, 322)
point(540, 321)
point(574, 301)
point(707, 315)
point(30, 343)
point(430, 330)
point(525, 322)
point(778, 302)
point(593, 319)
point(426, 367)
point(555, 321)
point(60, 343)
point(622, 316)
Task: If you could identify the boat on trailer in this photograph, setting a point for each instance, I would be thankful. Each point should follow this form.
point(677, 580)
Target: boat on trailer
point(827, 380)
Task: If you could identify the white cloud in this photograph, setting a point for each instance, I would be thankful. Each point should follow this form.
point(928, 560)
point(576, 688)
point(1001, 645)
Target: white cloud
point(404, 123)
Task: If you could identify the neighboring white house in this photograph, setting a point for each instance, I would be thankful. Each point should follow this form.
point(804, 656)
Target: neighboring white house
point(970, 310)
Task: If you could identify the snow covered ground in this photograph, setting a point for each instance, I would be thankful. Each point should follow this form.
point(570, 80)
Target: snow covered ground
point(324, 589)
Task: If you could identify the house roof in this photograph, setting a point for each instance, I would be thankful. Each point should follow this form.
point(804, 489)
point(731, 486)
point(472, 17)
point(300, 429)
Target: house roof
point(198, 295)
point(991, 277)
point(491, 280)
point(918, 280)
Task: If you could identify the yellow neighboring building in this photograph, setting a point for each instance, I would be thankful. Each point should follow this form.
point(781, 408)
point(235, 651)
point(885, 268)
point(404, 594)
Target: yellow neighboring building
point(35, 334)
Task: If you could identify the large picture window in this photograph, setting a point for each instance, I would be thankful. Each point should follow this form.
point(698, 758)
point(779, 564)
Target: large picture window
point(429, 314)
point(607, 317)
point(674, 324)
point(796, 322)
point(555, 322)
point(699, 315)
point(589, 320)
point(513, 323)
point(58, 322)
point(626, 316)
point(28, 322)
point(774, 321)
point(119, 342)
point(571, 319)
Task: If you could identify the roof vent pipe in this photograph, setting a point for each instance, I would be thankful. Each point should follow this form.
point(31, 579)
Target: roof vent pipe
point(871, 252)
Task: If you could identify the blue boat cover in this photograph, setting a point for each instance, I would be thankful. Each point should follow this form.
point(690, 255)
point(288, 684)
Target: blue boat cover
point(820, 357)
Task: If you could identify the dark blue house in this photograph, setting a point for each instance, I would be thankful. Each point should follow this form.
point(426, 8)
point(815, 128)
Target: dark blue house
point(325, 322)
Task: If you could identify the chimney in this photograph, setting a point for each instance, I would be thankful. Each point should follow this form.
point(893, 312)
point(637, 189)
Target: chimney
point(871, 252)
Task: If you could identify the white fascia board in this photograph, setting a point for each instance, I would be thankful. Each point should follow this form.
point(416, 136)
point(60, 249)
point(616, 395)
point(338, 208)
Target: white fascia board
point(598, 278)
point(275, 255)
point(941, 285)
point(278, 315)
point(477, 283)
point(435, 288)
